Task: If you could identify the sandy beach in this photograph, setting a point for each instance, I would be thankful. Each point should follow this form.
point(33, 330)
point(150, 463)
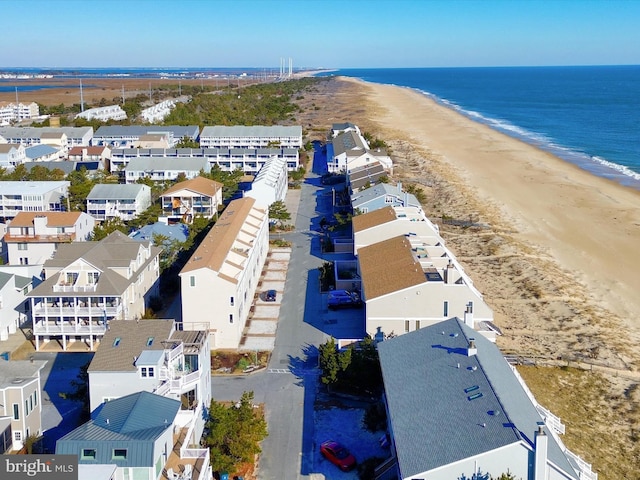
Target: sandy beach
point(559, 263)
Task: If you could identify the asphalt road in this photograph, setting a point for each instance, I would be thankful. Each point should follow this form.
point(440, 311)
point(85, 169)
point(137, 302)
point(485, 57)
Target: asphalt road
point(288, 386)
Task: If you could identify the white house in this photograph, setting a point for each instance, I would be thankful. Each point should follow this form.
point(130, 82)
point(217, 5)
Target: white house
point(44, 153)
point(409, 285)
point(219, 281)
point(338, 128)
point(88, 284)
point(163, 168)
point(91, 154)
point(185, 200)
point(158, 112)
point(457, 409)
point(109, 112)
point(136, 437)
point(349, 150)
point(14, 112)
point(271, 183)
point(13, 301)
point(111, 200)
point(153, 356)
point(32, 238)
point(11, 155)
point(239, 136)
point(16, 197)
point(124, 136)
point(21, 398)
point(28, 136)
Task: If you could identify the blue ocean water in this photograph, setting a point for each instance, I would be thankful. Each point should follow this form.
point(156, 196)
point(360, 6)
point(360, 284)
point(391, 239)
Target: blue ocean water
point(589, 116)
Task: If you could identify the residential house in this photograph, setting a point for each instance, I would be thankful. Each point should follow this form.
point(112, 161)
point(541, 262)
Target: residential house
point(88, 284)
point(13, 301)
point(178, 232)
point(382, 195)
point(153, 140)
point(338, 128)
point(115, 200)
point(12, 155)
point(186, 200)
point(28, 196)
point(100, 154)
point(457, 409)
point(349, 150)
point(219, 281)
point(20, 400)
point(152, 356)
point(162, 169)
point(66, 167)
point(271, 183)
point(124, 136)
point(240, 136)
point(17, 111)
point(55, 139)
point(389, 222)
point(249, 160)
point(366, 176)
point(43, 153)
point(409, 286)
point(137, 435)
point(158, 112)
point(33, 237)
point(109, 112)
point(28, 136)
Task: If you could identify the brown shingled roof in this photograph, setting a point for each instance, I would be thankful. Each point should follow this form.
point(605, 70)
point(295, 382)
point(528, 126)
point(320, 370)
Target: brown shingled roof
point(90, 150)
point(388, 266)
point(54, 219)
point(198, 184)
point(372, 219)
point(214, 248)
point(134, 336)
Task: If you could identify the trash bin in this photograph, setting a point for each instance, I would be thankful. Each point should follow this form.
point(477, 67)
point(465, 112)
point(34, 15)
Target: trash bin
point(224, 476)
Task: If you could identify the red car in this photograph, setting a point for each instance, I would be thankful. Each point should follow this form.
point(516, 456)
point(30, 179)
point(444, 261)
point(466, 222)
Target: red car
point(338, 455)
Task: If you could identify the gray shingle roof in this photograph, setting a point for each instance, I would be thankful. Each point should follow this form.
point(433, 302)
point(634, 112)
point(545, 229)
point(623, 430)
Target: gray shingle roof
point(15, 372)
point(445, 406)
point(251, 131)
point(137, 130)
point(116, 191)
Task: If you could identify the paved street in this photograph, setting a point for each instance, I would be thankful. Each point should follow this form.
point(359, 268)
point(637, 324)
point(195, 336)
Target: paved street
point(288, 386)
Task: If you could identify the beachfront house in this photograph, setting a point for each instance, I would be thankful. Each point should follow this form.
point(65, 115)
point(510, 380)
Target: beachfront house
point(408, 285)
point(184, 201)
point(271, 183)
point(153, 356)
point(382, 195)
point(457, 409)
point(161, 169)
point(12, 155)
point(349, 150)
point(124, 136)
point(20, 402)
point(111, 200)
point(136, 437)
point(29, 196)
point(219, 281)
point(338, 128)
point(257, 136)
point(88, 284)
point(33, 237)
point(366, 176)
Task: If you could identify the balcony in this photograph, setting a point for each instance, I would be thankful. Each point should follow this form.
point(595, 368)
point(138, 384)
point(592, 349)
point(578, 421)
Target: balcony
point(63, 287)
point(54, 238)
point(69, 308)
point(69, 328)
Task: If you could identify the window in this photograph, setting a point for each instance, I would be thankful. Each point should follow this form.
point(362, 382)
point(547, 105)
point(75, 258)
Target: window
point(149, 341)
point(92, 277)
point(446, 309)
point(35, 398)
point(192, 281)
point(406, 325)
point(151, 372)
point(88, 454)
point(119, 454)
point(116, 342)
point(417, 324)
point(16, 411)
point(17, 436)
point(147, 372)
point(231, 318)
point(71, 277)
point(22, 246)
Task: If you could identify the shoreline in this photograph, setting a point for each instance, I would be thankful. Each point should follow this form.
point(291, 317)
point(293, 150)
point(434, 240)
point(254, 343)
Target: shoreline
point(587, 226)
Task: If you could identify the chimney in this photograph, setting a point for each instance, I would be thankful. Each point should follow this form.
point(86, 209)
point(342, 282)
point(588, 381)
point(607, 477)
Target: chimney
point(471, 348)
point(448, 274)
point(541, 443)
point(468, 318)
point(399, 187)
point(40, 225)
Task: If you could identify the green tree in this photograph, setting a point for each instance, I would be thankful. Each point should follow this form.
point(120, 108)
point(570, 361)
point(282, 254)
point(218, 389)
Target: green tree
point(235, 433)
point(108, 227)
point(187, 142)
point(415, 190)
point(171, 247)
point(332, 362)
point(148, 217)
point(278, 211)
point(80, 186)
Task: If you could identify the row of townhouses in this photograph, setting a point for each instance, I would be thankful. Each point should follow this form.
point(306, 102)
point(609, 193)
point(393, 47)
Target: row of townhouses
point(11, 112)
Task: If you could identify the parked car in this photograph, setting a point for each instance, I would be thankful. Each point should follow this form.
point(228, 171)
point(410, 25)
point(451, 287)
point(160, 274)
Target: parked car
point(338, 455)
point(270, 296)
point(343, 299)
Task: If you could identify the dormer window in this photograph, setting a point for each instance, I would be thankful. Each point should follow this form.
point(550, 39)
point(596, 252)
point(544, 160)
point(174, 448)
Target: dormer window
point(92, 277)
point(71, 277)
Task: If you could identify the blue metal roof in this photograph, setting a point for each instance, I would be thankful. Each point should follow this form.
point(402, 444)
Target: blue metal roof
point(178, 231)
point(38, 151)
point(445, 406)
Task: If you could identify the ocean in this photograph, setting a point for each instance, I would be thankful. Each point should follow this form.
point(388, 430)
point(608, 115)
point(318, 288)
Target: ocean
point(589, 116)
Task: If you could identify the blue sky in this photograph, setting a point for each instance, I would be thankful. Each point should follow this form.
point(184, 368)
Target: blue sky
point(318, 33)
